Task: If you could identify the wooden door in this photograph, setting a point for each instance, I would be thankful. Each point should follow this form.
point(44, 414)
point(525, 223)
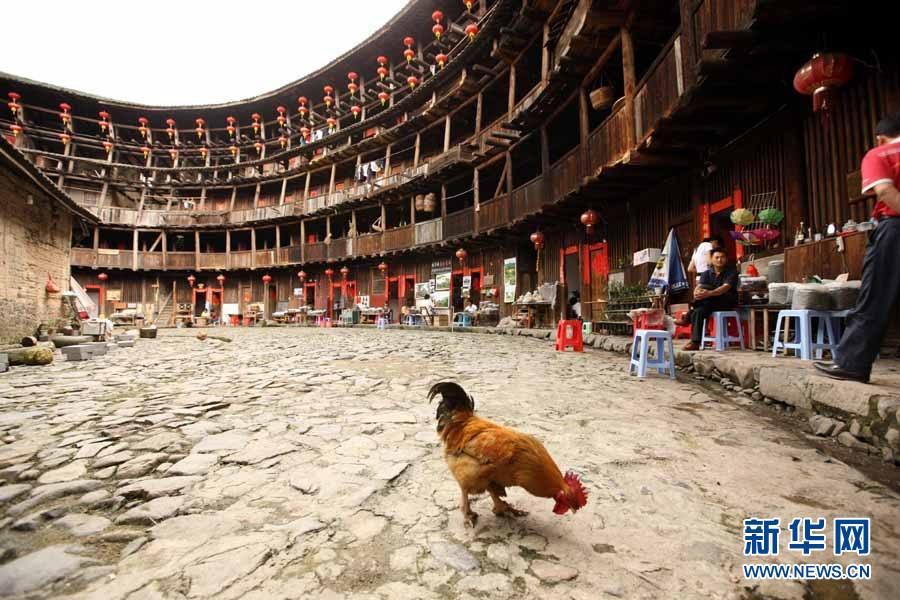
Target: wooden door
point(598, 280)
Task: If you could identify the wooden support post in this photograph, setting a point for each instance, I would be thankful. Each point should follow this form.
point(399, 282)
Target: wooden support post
point(447, 133)
point(331, 181)
point(303, 240)
point(479, 101)
point(306, 189)
point(629, 84)
point(383, 227)
point(353, 223)
point(228, 248)
point(509, 184)
point(387, 161)
point(197, 249)
point(512, 88)
point(165, 250)
point(256, 195)
point(412, 210)
point(689, 51)
point(233, 198)
point(283, 192)
point(443, 201)
point(96, 239)
point(545, 151)
point(328, 227)
point(252, 247)
point(416, 151)
point(545, 55)
point(134, 254)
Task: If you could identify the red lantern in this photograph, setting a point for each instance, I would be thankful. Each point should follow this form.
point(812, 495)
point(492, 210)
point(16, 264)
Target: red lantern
point(305, 132)
point(382, 67)
point(281, 118)
point(64, 115)
point(104, 120)
point(302, 276)
point(231, 129)
point(143, 129)
point(203, 152)
point(221, 279)
point(65, 138)
point(408, 41)
point(332, 124)
point(589, 219)
point(382, 266)
point(344, 272)
point(108, 146)
point(173, 153)
point(191, 280)
point(821, 75)
point(200, 123)
point(329, 272)
point(259, 147)
point(383, 96)
point(255, 117)
point(283, 141)
point(537, 238)
point(14, 105)
point(16, 129)
point(461, 254)
point(302, 108)
point(234, 150)
point(146, 151)
point(472, 30)
point(352, 86)
point(171, 128)
point(410, 54)
point(355, 110)
point(103, 277)
point(412, 81)
point(441, 59)
point(468, 4)
point(437, 30)
point(266, 279)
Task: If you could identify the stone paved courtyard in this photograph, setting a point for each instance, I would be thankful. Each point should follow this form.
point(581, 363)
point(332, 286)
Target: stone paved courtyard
point(295, 463)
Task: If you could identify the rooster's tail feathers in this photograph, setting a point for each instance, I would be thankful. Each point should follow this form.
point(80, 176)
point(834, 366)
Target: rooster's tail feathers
point(453, 398)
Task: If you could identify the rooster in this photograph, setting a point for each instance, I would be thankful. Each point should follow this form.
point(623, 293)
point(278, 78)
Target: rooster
point(484, 456)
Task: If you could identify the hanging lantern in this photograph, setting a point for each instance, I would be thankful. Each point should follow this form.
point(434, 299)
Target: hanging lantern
point(283, 141)
point(302, 276)
point(173, 152)
point(191, 280)
point(352, 86)
point(266, 279)
point(471, 30)
point(589, 219)
point(13, 103)
point(200, 123)
point(382, 266)
point(408, 41)
point(16, 129)
point(382, 67)
point(146, 151)
point(104, 121)
point(302, 108)
point(108, 146)
point(230, 128)
point(412, 81)
point(329, 100)
point(332, 124)
point(537, 238)
point(255, 117)
point(281, 118)
point(171, 128)
point(821, 76)
point(65, 115)
point(305, 132)
point(329, 272)
point(441, 59)
point(355, 110)
point(103, 277)
point(410, 54)
point(143, 129)
point(461, 254)
point(259, 147)
point(65, 138)
point(468, 4)
point(221, 279)
point(203, 152)
point(344, 272)
point(233, 149)
point(384, 97)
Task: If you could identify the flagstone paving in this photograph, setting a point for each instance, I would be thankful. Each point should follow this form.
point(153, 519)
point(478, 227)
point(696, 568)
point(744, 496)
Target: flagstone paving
point(303, 463)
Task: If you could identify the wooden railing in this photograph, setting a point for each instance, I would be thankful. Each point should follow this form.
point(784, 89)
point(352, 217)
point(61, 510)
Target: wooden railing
point(181, 260)
point(213, 260)
point(151, 260)
point(368, 244)
point(658, 92)
point(719, 15)
point(82, 257)
point(459, 223)
point(121, 259)
point(315, 252)
point(265, 258)
point(289, 254)
point(241, 259)
point(527, 199)
point(340, 248)
point(429, 232)
point(401, 237)
point(493, 213)
point(565, 174)
point(609, 142)
point(526, 101)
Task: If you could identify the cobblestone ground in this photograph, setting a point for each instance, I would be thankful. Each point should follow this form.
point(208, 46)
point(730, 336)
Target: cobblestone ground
point(304, 463)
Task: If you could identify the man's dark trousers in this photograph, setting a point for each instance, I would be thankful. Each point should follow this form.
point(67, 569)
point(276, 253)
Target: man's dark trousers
point(703, 309)
point(866, 324)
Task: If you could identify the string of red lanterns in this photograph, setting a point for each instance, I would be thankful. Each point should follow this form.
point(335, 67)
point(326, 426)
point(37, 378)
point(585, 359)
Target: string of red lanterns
point(438, 29)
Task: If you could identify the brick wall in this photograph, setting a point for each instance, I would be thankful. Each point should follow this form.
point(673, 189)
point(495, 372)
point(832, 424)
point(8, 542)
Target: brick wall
point(34, 241)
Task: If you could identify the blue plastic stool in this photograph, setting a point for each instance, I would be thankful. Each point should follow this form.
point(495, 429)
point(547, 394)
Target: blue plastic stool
point(803, 338)
point(381, 323)
point(640, 350)
point(722, 340)
point(587, 328)
point(462, 319)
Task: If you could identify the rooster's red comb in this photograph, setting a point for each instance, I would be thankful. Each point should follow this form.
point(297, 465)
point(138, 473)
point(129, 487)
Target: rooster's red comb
point(579, 492)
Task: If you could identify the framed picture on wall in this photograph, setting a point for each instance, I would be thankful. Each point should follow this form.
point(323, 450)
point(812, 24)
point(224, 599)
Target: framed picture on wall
point(422, 290)
point(442, 281)
point(441, 299)
point(509, 280)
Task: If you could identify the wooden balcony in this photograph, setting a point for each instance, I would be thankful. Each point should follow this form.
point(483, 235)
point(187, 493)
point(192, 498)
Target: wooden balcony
point(265, 258)
point(609, 142)
point(398, 238)
point(315, 252)
point(213, 260)
point(241, 260)
point(120, 259)
point(340, 248)
point(151, 260)
point(566, 174)
point(459, 223)
point(527, 199)
point(493, 213)
point(368, 244)
point(429, 232)
point(82, 257)
point(181, 260)
point(289, 255)
point(658, 92)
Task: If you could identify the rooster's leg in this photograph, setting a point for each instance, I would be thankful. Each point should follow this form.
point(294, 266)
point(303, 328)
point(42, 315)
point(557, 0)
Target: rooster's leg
point(468, 515)
point(503, 508)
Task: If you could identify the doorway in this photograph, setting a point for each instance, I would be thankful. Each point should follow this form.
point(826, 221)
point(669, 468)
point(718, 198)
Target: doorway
point(598, 278)
point(95, 293)
point(571, 276)
point(271, 300)
point(456, 298)
point(309, 294)
point(393, 296)
point(215, 302)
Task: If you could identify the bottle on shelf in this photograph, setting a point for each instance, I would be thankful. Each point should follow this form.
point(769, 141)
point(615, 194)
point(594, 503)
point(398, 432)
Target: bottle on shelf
point(798, 237)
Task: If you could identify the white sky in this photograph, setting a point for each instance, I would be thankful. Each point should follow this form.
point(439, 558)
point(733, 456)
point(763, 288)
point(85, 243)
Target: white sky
point(152, 52)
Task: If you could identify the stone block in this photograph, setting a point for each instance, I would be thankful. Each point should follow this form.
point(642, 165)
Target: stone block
point(78, 352)
point(127, 343)
point(4, 363)
point(99, 348)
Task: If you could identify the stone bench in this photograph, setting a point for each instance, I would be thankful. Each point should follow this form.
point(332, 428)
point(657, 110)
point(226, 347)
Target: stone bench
point(99, 348)
point(78, 352)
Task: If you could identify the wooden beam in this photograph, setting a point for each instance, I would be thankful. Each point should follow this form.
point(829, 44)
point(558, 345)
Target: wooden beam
point(601, 61)
point(628, 75)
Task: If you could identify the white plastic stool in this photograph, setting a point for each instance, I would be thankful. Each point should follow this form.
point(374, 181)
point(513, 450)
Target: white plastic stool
point(640, 349)
point(721, 340)
point(803, 340)
point(381, 323)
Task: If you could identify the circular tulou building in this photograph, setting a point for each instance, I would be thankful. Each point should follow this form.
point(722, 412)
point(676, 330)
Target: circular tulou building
point(470, 151)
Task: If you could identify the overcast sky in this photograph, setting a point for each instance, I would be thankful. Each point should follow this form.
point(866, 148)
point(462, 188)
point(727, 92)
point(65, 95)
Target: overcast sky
point(182, 52)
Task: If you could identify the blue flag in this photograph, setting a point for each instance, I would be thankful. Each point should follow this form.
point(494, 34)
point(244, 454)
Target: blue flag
point(669, 272)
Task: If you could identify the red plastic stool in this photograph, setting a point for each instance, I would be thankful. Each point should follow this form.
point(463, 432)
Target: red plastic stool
point(682, 331)
point(731, 329)
point(568, 335)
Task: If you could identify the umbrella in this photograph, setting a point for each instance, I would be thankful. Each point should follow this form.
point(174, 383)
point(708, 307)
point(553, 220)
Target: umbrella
point(742, 216)
point(669, 272)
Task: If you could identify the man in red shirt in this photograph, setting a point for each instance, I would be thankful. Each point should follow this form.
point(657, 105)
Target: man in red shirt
point(866, 324)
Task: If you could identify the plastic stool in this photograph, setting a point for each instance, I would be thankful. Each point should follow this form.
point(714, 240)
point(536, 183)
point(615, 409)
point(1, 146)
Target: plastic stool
point(462, 319)
point(682, 331)
point(568, 335)
point(381, 323)
point(721, 339)
point(323, 321)
point(640, 350)
point(587, 328)
point(803, 340)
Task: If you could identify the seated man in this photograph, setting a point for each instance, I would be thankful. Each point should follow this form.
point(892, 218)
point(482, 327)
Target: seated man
point(471, 308)
point(716, 291)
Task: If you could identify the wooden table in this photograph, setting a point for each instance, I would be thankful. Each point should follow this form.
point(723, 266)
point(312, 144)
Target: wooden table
point(762, 311)
point(533, 309)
